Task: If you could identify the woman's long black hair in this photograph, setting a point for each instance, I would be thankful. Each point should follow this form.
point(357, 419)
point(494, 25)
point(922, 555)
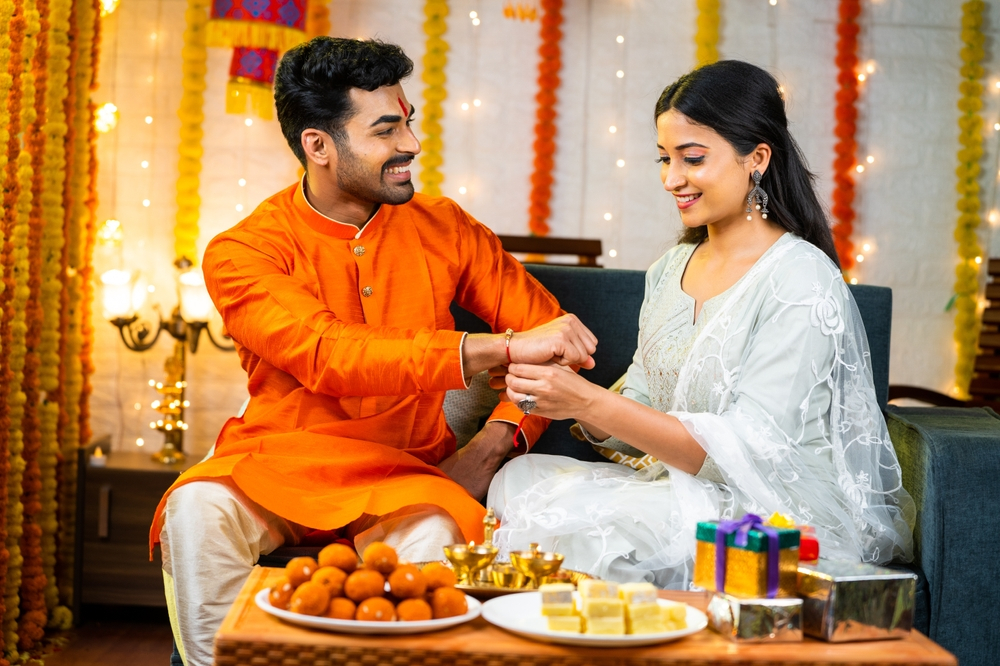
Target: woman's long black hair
point(741, 102)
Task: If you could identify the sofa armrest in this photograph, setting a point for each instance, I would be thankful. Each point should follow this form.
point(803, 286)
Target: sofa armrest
point(951, 466)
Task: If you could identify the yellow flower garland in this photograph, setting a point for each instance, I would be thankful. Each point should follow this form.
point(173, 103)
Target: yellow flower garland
point(970, 125)
point(194, 56)
point(15, 395)
point(706, 34)
point(72, 363)
point(53, 213)
point(435, 60)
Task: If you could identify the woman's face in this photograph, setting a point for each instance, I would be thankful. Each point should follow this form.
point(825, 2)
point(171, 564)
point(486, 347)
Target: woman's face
point(709, 181)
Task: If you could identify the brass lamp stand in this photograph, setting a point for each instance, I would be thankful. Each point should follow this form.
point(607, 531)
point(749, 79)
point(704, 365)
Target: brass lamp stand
point(185, 325)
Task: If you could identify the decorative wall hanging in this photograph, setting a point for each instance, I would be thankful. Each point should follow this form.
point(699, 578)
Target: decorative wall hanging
point(845, 129)
point(549, 67)
point(970, 126)
point(706, 34)
point(435, 60)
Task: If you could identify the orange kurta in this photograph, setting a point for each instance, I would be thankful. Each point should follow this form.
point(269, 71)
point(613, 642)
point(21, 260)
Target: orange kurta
point(349, 346)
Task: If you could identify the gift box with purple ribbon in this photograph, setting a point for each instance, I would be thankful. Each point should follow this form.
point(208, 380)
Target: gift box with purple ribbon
point(746, 558)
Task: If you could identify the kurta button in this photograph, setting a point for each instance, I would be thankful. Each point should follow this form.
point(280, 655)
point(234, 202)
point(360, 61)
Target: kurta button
point(366, 292)
point(359, 250)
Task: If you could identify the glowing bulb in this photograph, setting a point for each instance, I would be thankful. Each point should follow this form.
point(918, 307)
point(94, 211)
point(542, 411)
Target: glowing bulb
point(476, 21)
point(997, 84)
point(462, 190)
point(187, 403)
point(860, 168)
point(465, 106)
point(854, 280)
point(620, 163)
point(145, 202)
point(996, 126)
point(139, 441)
point(108, 6)
point(155, 404)
point(870, 159)
point(149, 120)
point(978, 260)
point(620, 74)
point(860, 258)
point(152, 424)
point(621, 40)
point(862, 77)
point(110, 232)
point(248, 122)
point(612, 129)
point(138, 405)
point(145, 164)
point(772, 2)
point(477, 102)
point(106, 117)
point(151, 288)
point(473, 15)
point(612, 253)
point(153, 36)
point(239, 208)
point(607, 216)
point(152, 382)
point(867, 247)
point(243, 182)
point(994, 216)
point(870, 67)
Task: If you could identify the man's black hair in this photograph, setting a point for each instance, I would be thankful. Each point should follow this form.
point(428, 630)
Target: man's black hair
point(313, 80)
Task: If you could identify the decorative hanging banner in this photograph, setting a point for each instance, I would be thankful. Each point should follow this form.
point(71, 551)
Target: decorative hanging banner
point(251, 77)
point(272, 24)
point(258, 31)
point(846, 147)
point(549, 66)
point(522, 11)
point(970, 126)
point(706, 34)
point(435, 60)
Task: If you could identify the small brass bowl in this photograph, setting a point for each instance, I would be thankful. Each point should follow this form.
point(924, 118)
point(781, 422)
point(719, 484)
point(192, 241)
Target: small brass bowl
point(507, 576)
point(468, 560)
point(536, 564)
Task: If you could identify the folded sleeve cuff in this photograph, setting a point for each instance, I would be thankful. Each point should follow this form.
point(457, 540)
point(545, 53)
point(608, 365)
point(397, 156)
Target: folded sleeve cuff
point(532, 427)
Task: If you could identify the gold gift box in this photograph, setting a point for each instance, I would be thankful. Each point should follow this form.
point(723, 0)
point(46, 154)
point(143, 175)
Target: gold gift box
point(746, 568)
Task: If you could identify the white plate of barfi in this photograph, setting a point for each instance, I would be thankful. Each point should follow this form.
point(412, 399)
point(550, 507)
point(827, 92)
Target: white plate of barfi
point(597, 614)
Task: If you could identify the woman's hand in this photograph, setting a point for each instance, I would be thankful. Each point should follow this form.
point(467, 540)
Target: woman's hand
point(558, 392)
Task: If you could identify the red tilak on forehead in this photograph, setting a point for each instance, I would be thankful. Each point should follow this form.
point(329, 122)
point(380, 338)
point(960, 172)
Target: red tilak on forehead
point(406, 111)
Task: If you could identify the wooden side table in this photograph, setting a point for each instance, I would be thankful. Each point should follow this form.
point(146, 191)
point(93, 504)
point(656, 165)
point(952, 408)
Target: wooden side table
point(250, 636)
point(115, 506)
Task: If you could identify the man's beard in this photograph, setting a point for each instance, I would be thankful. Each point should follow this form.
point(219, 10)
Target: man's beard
point(354, 179)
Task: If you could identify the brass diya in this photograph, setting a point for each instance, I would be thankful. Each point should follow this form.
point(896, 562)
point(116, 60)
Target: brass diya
point(468, 559)
point(536, 564)
point(506, 576)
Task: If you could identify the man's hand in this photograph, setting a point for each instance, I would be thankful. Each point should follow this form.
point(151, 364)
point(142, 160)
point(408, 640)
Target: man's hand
point(564, 340)
point(474, 465)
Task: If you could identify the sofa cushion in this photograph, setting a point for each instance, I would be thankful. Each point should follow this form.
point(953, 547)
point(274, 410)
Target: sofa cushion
point(875, 305)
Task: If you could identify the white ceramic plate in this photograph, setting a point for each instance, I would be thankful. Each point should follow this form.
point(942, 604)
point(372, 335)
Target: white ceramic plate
point(522, 614)
point(359, 627)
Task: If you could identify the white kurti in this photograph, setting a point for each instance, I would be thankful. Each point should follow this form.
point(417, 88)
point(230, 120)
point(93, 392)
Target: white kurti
point(773, 380)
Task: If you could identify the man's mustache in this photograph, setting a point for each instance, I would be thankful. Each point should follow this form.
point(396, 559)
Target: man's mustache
point(402, 159)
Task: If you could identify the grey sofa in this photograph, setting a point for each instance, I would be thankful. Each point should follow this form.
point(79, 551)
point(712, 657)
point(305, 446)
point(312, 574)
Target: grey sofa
point(950, 457)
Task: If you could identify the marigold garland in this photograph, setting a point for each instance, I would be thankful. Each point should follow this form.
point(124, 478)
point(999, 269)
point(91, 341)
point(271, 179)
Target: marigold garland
point(10, 124)
point(706, 33)
point(549, 66)
point(194, 65)
point(33, 612)
point(435, 60)
point(16, 313)
point(970, 125)
point(82, 31)
point(846, 147)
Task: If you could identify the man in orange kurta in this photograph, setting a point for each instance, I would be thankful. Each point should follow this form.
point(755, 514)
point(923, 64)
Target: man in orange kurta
point(336, 291)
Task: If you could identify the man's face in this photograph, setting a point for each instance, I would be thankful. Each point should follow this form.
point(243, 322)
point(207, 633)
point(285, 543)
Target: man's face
point(373, 163)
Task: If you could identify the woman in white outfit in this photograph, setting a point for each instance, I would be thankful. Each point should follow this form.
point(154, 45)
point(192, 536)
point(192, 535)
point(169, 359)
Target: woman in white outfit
point(751, 388)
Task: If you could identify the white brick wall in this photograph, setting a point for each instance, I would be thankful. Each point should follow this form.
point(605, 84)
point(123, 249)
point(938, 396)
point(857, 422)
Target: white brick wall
point(905, 199)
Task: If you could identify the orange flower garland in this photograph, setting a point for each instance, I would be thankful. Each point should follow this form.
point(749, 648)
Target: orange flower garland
point(549, 66)
point(846, 147)
point(34, 617)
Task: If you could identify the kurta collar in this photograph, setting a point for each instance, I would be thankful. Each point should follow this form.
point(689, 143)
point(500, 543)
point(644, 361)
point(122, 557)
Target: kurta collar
point(327, 225)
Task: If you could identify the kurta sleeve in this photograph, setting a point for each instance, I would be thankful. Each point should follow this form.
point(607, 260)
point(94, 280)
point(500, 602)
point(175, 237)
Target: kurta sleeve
point(278, 317)
point(496, 288)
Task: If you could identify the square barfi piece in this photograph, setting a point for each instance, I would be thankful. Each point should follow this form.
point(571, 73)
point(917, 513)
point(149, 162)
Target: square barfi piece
point(598, 589)
point(569, 623)
point(673, 611)
point(606, 626)
point(643, 611)
point(653, 625)
point(637, 593)
point(603, 608)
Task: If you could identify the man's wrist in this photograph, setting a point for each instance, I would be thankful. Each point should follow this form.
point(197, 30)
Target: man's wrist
point(483, 351)
point(499, 436)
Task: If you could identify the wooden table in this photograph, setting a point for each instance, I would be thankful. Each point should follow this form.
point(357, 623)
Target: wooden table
point(250, 636)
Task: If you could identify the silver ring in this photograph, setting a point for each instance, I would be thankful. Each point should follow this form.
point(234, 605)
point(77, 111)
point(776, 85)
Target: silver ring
point(527, 404)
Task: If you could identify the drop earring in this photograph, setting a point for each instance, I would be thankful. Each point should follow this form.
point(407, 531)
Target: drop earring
point(759, 194)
